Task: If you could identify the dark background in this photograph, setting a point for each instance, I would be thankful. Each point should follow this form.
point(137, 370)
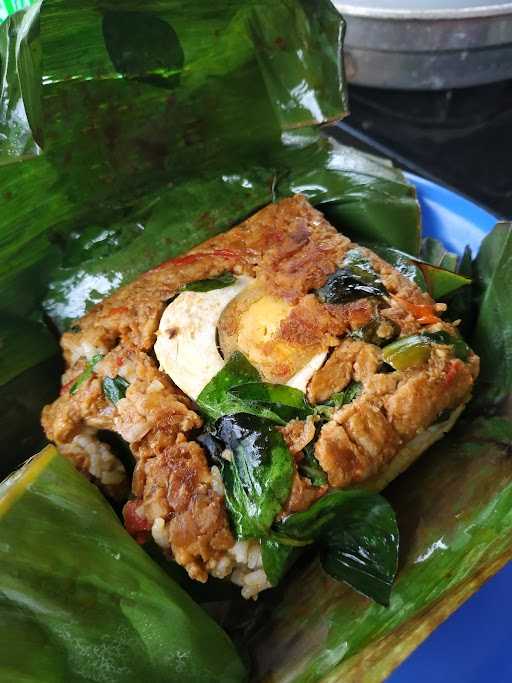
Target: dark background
point(459, 138)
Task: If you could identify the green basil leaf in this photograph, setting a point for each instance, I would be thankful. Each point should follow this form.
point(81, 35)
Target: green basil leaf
point(358, 537)
point(86, 374)
point(259, 477)
point(216, 400)
point(219, 282)
point(310, 467)
point(353, 390)
point(432, 251)
point(340, 398)
point(354, 279)
point(115, 388)
point(277, 558)
point(369, 333)
point(492, 338)
point(438, 277)
point(287, 402)
point(337, 399)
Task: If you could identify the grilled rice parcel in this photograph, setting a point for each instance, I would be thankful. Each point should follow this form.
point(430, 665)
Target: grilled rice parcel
point(253, 378)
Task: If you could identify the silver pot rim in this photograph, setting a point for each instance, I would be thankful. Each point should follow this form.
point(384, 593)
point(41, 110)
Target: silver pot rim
point(481, 11)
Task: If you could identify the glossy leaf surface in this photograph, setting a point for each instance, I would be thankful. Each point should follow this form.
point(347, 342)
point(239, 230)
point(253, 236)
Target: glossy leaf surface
point(353, 279)
point(109, 167)
point(454, 513)
point(114, 388)
point(287, 402)
point(217, 398)
point(258, 476)
point(358, 537)
point(438, 280)
point(492, 337)
point(92, 605)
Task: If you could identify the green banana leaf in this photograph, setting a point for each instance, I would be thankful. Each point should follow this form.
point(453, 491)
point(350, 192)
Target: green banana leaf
point(8, 7)
point(455, 518)
point(81, 601)
point(114, 160)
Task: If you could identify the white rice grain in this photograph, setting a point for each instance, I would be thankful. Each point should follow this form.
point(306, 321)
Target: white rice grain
point(159, 533)
point(217, 483)
point(103, 464)
point(222, 567)
point(239, 551)
point(227, 454)
point(154, 386)
point(254, 556)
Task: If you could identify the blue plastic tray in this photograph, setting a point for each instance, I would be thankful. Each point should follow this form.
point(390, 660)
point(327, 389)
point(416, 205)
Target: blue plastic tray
point(472, 646)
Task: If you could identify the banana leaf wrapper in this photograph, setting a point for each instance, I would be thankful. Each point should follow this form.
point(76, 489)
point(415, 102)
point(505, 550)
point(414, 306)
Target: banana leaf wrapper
point(82, 601)
point(113, 165)
point(87, 203)
point(455, 518)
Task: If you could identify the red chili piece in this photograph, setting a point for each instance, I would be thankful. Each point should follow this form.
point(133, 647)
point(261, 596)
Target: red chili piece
point(66, 387)
point(191, 258)
point(135, 525)
point(452, 371)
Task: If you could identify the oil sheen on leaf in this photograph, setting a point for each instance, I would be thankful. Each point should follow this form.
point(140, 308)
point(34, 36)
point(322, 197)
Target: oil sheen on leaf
point(258, 475)
point(357, 535)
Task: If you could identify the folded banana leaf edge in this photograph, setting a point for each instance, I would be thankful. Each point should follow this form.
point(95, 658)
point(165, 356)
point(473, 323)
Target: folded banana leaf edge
point(128, 134)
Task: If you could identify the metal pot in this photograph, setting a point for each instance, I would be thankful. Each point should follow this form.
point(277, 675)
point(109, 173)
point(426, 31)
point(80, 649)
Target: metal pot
point(423, 47)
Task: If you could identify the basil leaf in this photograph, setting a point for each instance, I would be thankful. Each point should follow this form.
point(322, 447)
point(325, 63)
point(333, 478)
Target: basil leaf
point(114, 388)
point(86, 374)
point(437, 277)
point(461, 307)
point(212, 446)
point(432, 251)
point(277, 558)
point(310, 467)
point(358, 537)
point(219, 282)
point(258, 479)
point(353, 390)
point(216, 400)
point(287, 402)
point(354, 279)
point(369, 333)
point(492, 337)
point(340, 398)
point(337, 399)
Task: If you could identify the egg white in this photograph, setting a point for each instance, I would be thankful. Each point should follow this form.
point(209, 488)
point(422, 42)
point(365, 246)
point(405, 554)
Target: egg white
point(186, 345)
